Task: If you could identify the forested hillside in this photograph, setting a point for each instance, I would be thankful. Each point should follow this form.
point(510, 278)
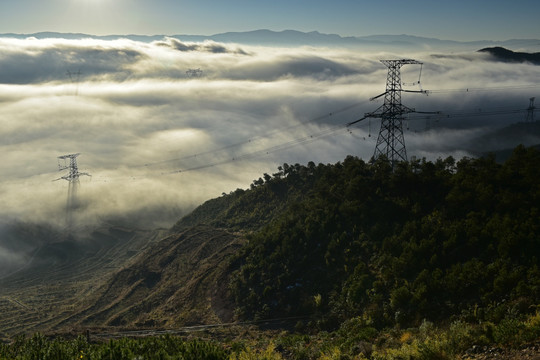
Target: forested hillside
point(429, 240)
point(429, 260)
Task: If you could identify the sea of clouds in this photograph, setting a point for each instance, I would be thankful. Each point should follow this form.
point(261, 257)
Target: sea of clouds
point(158, 141)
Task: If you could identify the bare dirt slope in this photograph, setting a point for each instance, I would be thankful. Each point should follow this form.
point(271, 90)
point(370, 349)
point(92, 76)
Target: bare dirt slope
point(178, 281)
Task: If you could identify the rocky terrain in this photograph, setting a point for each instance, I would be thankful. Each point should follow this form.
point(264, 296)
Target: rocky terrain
point(525, 352)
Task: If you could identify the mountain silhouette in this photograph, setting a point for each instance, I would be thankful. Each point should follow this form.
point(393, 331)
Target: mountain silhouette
point(505, 55)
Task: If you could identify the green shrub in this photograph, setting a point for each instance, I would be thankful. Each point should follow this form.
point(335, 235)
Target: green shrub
point(460, 336)
point(531, 329)
point(507, 331)
point(269, 353)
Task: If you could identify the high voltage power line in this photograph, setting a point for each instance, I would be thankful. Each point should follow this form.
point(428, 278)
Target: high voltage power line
point(266, 151)
point(265, 136)
point(303, 140)
point(479, 89)
point(329, 131)
point(244, 156)
point(473, 113)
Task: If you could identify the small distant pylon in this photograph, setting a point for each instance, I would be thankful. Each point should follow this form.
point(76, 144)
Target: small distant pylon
point(530, 111)
point(191, 73)
point(74, 77)
point(70, 163)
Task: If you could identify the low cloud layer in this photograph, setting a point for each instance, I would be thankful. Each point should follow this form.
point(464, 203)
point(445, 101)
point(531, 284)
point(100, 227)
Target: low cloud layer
point(159, 141)
point(206, 46)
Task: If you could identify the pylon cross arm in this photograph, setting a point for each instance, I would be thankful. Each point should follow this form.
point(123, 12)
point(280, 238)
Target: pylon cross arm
point(401, 62)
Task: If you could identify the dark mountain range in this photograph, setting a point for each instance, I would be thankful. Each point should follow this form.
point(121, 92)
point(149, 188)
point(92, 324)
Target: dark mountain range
point(505, 55)
point(298, 38)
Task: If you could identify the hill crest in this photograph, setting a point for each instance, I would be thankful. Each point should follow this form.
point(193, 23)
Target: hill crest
point(502, 54)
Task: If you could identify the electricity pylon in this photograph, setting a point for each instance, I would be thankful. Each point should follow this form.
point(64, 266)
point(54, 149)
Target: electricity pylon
point(73, 178)
point(530, 111)
point(75, 80)
point(391, 142)
point(191, 73)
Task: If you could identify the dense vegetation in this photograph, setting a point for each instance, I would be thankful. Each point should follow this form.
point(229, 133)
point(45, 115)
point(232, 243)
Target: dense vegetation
point(354, 340)
point(427, 240)
point(38, 347)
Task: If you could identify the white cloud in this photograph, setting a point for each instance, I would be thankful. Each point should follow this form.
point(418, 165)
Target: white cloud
point(137, 118)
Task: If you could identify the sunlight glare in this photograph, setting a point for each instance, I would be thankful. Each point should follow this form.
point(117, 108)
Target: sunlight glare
point(90, 2)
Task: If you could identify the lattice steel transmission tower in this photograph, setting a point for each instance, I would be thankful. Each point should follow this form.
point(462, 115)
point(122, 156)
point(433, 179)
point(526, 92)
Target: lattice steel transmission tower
point(530, 111)
point(191, 73)
point(75, 77)
point(70, 163)
point(390, 141)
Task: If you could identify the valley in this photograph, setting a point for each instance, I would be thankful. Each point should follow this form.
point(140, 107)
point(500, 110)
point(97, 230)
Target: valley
point(63, 275)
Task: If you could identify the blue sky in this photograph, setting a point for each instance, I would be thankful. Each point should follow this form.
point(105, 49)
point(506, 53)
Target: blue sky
point(452, 20)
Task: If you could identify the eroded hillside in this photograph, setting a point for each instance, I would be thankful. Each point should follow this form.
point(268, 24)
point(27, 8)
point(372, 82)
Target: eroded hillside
point(180, 280)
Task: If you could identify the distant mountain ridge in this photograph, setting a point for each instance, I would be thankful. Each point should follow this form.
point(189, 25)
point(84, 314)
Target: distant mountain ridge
point(502, 54)
point(294, 38)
